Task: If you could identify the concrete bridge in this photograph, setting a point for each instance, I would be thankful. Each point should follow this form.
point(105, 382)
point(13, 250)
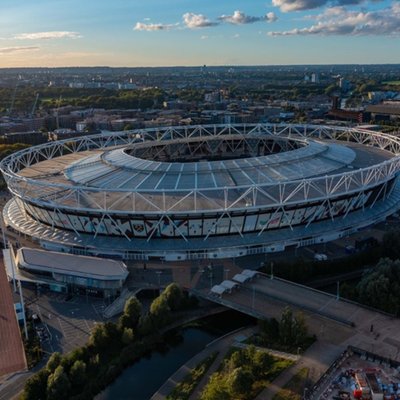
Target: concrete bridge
point(336, 322)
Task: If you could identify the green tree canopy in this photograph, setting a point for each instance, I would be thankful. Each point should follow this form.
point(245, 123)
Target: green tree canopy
point(77, 373)
point(391, 244)
point(36, 386)
point(216, 389)
point(58, 385)
point(174, 296)
point(286, 326)
point(132, 312)
point(160, 312)
point(381, 287)
point(53, 362)
point(127, 336)
point(239, 381)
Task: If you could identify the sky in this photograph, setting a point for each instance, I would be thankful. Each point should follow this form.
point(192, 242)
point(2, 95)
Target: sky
point(129, 33)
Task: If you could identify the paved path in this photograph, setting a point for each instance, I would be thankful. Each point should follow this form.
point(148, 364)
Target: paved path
point(13, 386)
point(220, 345)
point(317, 358)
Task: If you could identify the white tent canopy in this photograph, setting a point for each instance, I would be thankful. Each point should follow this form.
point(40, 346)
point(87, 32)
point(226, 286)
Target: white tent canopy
point(229, 285)
point(249, 272)
point(240, 278)
point(218, 289)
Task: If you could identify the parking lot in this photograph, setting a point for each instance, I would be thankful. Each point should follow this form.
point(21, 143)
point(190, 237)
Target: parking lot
point(66, 321)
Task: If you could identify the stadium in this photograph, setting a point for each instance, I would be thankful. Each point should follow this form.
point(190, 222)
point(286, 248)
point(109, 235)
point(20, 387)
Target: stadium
point(202, 192)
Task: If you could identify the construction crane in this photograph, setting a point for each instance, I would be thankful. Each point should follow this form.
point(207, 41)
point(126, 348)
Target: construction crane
point(34, 105)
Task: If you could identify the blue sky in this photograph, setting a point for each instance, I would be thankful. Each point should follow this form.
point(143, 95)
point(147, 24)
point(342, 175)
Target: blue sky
point(197, 32)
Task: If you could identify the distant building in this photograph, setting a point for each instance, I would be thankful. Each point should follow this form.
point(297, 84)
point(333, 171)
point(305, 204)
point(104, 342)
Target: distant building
point(32, 138)
point(60, 134)
point(212, 97)
point(388, 110)
point(346, 115)
point(123, 123)
point(314, 77)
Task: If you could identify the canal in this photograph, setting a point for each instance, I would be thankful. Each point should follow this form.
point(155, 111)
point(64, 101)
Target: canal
point(141, 380)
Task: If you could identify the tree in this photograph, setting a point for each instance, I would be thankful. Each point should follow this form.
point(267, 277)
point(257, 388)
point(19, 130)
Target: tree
point(216, 389)
point(160, 311)
point(53, 362)
point(391, 244)
point(236, 360)
point(146, 325)
point(262, 363)
point(299, 330)
point(77, 373)
point(132, 312)
point(380, 288)
point(174, 296)
point(105, 338)
point(36, 385)
point(240, 381)
point(58, 385)
point(127, 336)
point(286, 326)
point(269, 329)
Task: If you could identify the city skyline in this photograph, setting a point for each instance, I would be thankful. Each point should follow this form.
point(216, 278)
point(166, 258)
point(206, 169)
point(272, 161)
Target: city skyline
point(129, 33)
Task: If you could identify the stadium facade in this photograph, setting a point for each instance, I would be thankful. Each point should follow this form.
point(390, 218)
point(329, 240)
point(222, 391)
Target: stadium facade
point(196, 192)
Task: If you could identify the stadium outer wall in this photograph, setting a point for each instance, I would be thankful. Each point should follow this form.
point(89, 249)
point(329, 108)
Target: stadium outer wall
point(62, 212)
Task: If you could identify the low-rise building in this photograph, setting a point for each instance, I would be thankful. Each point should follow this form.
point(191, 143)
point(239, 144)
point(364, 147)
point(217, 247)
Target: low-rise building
point(74, 273)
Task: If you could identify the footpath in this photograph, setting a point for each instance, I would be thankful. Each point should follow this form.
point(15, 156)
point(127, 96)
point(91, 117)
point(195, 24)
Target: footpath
point(317, 359)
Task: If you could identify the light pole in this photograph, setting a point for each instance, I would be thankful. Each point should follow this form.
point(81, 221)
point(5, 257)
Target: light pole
point(272, 270)
point(253, 298)
point(159, 280)
point(13, 267)
point(337, 290)
point(200, 282)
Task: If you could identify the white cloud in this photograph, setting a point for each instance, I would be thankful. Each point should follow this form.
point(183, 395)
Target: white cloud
point(298, 5)
point(140, 26)
point(240, 18)
point(17, 49)
point(195, 21)
point(271, 17)
point(48, 35)
point(204, 37)
point(339, 21)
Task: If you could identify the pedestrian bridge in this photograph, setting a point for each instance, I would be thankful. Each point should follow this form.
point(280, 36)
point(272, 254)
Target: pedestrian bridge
point(256, 294)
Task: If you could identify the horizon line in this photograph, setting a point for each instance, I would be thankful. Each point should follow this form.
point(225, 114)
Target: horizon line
point(198, 66)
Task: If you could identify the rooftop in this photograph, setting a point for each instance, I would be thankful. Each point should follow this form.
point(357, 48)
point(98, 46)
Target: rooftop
point(70, 264)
